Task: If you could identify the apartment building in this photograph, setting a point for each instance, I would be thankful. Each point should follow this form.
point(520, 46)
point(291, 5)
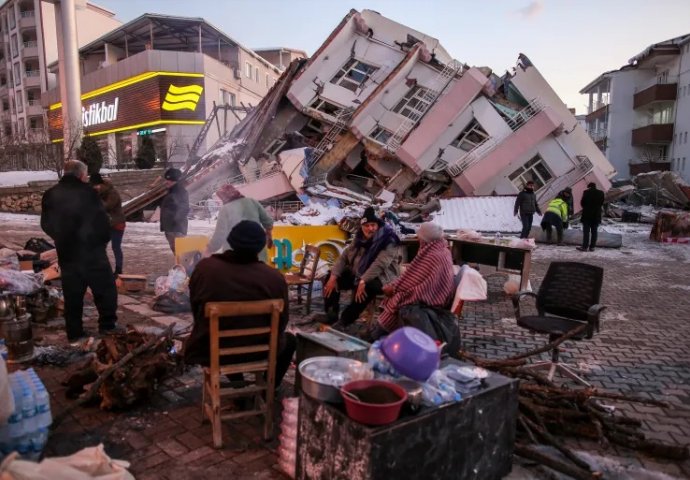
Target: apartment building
point(163, 76)
point(639, 114)
point(29, 43)
point(280, 57)
point(395, 108)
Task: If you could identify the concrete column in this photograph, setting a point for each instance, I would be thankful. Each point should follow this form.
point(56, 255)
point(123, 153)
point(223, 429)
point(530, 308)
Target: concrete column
point(70, 78)
point(112, 149)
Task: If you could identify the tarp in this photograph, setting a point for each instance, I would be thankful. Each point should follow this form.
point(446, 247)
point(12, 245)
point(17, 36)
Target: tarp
point(574, 237)
point(483, 214)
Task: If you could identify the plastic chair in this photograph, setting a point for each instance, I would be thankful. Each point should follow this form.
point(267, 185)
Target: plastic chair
point(568, 298)
point(255, 340)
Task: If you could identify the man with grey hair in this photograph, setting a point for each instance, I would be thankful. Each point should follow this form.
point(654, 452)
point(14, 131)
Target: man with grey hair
point(73, 215)
point(428, 280)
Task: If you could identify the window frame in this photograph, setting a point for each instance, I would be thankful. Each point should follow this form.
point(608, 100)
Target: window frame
point(377, 131)
point(474, 127)
point(416, 93)
point(529, 167)
point(248, 67)
point(344, 78)
point(322, 102)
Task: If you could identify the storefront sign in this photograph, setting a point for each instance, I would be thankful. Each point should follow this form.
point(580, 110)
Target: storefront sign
point(144, 101)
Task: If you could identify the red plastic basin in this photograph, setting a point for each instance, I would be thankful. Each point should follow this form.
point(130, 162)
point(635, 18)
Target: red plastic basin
point(380, 401)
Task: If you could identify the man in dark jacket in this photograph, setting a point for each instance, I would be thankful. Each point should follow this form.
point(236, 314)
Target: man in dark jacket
point(113, 207)
point(174, 208)
point(232, 276)
point(591, 203)
point(526, 204)
point(73, 216)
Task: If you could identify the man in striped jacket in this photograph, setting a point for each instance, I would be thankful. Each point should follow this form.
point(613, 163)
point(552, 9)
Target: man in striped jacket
point(427, 280)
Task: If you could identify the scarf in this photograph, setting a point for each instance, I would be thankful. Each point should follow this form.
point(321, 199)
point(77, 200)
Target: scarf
point(429, 279)
point(383, 237)
point(227, 193)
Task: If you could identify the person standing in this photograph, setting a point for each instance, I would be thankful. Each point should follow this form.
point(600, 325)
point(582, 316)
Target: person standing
point(113, 207)
point(591, 203)
point(73, 215)
point(236, 208)
point(526, 205)
point(174, 207)
point(556, 214)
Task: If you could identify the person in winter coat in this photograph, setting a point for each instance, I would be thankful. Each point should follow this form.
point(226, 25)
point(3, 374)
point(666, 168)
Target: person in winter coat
point(368, 263)
point(237, 275)
point(567, 194)
point(428, 280)
point(236, 207)
point(556, 214)
point(526, 205)
point(591, 203)
point(73, 215)
point(113, 207)
point(174, 208)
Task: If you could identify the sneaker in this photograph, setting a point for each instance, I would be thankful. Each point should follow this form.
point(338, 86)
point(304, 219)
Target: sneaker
point(115, 330)
point(591, 249)
point(582, 249)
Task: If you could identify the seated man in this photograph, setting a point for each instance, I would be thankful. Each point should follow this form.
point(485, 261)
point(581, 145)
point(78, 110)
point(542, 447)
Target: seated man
point(238, 275)
point(370, 261)
point(428, 280)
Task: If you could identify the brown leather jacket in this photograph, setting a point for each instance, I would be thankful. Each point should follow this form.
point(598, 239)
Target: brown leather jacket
point(112, 203)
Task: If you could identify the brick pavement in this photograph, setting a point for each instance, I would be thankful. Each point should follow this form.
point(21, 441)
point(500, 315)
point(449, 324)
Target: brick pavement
point(642, 349)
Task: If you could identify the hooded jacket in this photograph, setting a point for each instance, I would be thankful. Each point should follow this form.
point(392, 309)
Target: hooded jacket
point(526, 203)
point(559, 207)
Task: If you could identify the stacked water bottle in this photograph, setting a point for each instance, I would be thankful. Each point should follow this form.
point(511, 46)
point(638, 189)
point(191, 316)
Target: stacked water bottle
point(287, 452)
point(26, 430)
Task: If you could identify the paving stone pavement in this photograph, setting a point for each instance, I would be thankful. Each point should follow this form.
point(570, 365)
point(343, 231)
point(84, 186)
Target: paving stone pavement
point(642, 349)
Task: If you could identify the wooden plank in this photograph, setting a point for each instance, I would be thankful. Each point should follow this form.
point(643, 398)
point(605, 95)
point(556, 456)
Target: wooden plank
point(244, 332)
point(241, 350)
point(248, 367)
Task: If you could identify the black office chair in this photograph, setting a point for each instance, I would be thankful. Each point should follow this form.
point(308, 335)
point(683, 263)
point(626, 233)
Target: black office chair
point(568, 298)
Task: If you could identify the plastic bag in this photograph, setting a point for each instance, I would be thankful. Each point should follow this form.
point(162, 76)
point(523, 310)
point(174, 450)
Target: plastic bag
point(467, 234)
point(6, 397)
point(439, 389)
point(522, 243)
point(472, 286)
point(176, 280)
point(38, 245)
point(9, 259)
point(91, 463)
point(512, 285)
point(20, 283)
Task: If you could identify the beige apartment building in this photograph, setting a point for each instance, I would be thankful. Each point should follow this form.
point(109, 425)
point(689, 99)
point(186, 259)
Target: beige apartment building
point(28, 41)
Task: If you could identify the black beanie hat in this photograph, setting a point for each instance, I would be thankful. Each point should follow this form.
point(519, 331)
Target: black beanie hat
point(96, 179)
point(370, 216)
point(172, 174)
point(247, 237)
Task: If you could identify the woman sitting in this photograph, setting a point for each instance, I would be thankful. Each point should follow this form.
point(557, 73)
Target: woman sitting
point(428, 280)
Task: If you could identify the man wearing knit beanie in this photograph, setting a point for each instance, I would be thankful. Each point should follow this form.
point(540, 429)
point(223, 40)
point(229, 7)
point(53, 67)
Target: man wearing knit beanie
point(238, 275)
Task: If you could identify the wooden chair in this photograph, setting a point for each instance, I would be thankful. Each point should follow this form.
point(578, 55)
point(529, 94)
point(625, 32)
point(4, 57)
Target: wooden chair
point(212, 393)
point(304, 277)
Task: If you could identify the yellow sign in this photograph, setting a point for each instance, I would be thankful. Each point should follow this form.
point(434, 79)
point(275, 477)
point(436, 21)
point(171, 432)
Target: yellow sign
point(182, 98)
point(189, 251)
point(289, 242)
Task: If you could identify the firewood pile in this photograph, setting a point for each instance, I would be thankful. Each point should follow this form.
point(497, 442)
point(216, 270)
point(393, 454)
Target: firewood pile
point(547, 412)
point(124, 370)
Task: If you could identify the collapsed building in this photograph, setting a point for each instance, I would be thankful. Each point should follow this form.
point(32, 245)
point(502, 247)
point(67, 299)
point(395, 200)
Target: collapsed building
point(384, 111)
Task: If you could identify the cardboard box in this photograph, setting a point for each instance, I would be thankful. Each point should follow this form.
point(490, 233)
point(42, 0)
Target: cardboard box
point(131, 283)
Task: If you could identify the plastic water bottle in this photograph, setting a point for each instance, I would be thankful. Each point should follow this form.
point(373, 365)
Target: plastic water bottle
point(42, 400)
point(28, 408)
point(14, 422)
point(3, 349)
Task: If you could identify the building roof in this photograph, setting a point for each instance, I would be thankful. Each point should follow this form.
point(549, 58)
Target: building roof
point(482, 214)
point(169, 33)
point(667, 46)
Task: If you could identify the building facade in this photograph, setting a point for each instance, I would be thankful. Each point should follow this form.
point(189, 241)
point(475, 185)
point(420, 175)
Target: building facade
point(166, 78)
point(29, 44)
point(639, 115)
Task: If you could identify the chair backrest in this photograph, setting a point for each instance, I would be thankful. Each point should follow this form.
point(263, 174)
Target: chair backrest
point(569, 289)
point(262, 338)
point(310, 260)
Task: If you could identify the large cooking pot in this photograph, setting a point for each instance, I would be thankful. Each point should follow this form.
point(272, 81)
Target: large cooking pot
point(322, 377)
point(16, 330)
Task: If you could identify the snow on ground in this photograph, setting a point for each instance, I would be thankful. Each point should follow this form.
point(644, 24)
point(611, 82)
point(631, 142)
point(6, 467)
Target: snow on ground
point(21, 178)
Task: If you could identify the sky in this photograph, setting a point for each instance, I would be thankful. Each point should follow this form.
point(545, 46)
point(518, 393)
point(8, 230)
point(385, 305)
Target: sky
point(570, 41)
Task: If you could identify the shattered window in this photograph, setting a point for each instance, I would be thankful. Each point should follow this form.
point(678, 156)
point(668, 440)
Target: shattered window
point(534, 170)
point(325, 106)
point(381, 135)
point(414, 103)
point(470, 137)
point(353, 74)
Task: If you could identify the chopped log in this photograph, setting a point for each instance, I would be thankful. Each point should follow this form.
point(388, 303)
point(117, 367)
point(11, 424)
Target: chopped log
point(533, 454)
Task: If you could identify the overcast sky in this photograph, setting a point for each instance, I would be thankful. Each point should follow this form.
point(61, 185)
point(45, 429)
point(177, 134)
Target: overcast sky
point(570, 41)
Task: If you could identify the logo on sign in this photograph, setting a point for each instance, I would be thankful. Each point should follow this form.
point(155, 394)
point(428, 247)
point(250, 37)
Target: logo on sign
point(98, 113)
point(182, 98)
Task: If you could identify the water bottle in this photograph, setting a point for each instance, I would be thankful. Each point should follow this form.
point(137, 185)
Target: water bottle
point(42, 399)
point(28, 408)
point(14, 422)
point(3, 349)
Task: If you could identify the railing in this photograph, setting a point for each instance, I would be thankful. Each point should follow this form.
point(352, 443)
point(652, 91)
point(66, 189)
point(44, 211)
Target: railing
point(582, 168)
point(639, 161)
point(598, 135)
point(36, 133)
point(32, 73)
point(33, 103)
point(596, 106)
point(30, 44)
point(668, 80)
point(480, 151)
point(27, 13)
point(314, 180)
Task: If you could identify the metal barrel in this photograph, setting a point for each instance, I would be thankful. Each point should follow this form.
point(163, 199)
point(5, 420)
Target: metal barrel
point(18, 337)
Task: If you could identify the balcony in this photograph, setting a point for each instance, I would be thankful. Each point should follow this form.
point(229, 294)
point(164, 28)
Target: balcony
point(30, 49)
point(598, 135)
point(27, 20)
point(644, 165)
point(651, 134)
point(657, 93)
point(3, 90)
point(32, 78)
point(34, 108)
point(597, 110)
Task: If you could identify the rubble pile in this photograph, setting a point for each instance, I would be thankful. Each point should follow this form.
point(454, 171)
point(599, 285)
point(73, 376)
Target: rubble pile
point(382, 111)
point(21, 203)
point(659, 189)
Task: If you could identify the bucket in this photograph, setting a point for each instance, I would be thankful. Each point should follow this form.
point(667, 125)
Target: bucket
point(17, 334)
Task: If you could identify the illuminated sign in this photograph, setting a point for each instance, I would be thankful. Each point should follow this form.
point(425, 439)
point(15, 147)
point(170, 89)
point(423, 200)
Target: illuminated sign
point(181, 98)
point(143, 103)
point(96, 114)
